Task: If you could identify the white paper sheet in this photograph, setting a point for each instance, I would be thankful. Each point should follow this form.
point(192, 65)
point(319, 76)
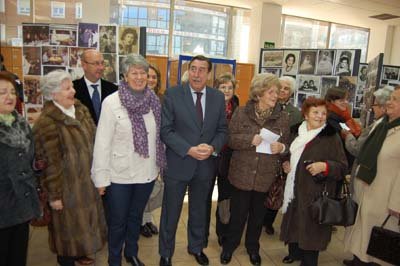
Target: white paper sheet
point(344, 126)
point(268, 138)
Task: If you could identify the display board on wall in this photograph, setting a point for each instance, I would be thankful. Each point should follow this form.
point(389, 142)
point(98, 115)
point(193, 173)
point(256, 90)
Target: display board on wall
point(315, 70)
point(47, 47)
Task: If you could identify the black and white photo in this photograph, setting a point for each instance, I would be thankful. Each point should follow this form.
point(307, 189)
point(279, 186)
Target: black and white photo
point(88, 35)
point(325, 62)
point(272, 70)
point(108, 39)
point(272, 58)
point(308, 84)
point(290, 62)
point(307, 62)
point(328, 82)
point(344, 62)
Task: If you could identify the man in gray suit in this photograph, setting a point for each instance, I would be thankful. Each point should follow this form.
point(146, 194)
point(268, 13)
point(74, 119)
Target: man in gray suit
point(194, 129)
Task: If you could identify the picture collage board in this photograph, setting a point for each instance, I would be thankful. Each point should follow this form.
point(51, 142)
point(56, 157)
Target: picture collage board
point(315, 71)
point(48, 47)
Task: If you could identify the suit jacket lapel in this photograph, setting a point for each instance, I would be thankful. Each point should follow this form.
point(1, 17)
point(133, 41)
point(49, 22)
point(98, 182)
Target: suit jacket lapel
point(188, 99)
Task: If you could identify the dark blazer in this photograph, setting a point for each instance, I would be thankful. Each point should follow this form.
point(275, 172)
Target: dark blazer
point(180, 130)
point(82, 94)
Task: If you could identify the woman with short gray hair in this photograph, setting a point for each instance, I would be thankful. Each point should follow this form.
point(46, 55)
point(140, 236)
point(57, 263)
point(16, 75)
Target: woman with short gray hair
point(128, 157)
point(64, 137)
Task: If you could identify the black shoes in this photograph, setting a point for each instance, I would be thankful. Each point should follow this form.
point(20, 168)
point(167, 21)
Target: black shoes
point(255, 259)
point(269, 230)
point(134, 261)
point(348, 262)
point(152, 227)
point(201, 258)
point(221, 240)
point(288, 260)
point(165, 261)
point(145, 231)
point(225, 257)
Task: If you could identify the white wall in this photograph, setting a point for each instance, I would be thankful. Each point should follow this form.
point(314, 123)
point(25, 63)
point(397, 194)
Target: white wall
point(394, 58)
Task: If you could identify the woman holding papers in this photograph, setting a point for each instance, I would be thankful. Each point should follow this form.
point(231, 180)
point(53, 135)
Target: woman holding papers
point(317, 157)
point(251, 172)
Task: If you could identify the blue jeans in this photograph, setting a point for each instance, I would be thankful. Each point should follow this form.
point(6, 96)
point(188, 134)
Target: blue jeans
point(125, 203)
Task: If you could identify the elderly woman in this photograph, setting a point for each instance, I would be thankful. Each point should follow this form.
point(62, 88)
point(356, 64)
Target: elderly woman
point(225, 83)
point(339, 113)
point(128, 157)
point(354, 144)
point(285, 92)
point(377, 184)
point(251, 173)
point(148, 228)
point(64, 137)
point(318, 144)
point(19, 202)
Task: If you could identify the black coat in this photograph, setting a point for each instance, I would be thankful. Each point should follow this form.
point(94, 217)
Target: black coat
point(19, 201)
point(297, 224)
point(82, 94)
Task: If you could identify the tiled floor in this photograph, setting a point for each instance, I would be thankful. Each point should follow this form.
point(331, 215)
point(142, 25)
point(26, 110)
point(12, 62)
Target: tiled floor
point(272, 250)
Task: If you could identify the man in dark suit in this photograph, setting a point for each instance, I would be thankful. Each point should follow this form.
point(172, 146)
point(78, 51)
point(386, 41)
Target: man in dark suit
point(91, 89)
point(194, 129)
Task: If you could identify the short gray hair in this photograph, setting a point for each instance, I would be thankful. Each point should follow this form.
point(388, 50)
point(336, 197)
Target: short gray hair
point(134, 60)
point(51, 83)
point(382, 95)
point(291, 81)
point(261, 83)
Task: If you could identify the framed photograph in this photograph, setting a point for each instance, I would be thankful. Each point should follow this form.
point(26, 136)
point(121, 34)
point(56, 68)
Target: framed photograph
point(75, 56)
point(31, 60)
point(110, 67)
point(272, 70)
point(64, 35)
point(128, 42)
point(32, 92)
point(55, 55)
point(307, 62)
point(108, 39)
point(35, 34)
point(326, 58)
point(88, 35)
point(328, 82)
point(344, 62)
point(57, 9)
point(300, 97)
point(350, 84)
point(308, 84)
point(390, 73)
point(362, 73)
point(47, 69)
point(290, 63)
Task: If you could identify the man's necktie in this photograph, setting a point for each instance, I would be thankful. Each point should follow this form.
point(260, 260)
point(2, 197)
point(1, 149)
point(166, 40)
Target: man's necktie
point(199, 108)
point(96, 100)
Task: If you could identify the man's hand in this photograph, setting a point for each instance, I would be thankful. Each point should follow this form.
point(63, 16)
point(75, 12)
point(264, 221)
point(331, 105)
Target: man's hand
point(101, 190)
point(201, 151)
point(56, 205)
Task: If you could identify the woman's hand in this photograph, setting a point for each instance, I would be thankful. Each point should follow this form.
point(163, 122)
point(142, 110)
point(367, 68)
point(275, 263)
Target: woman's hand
point(276, 147)
point(286, 167)
point(257, 139)
point(316, 168)
point(56, 205)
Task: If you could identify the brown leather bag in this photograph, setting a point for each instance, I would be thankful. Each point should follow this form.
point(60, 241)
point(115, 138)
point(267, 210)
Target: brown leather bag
point(274, 199)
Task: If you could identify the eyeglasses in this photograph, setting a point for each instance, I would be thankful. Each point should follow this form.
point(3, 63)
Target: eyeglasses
point(97, 63)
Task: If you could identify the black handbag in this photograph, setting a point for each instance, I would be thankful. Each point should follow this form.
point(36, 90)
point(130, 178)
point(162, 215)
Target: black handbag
point(384, 244)
point(334, 211)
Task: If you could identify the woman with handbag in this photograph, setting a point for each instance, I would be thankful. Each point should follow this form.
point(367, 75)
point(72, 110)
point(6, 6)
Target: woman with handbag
point(19, 201)
point(64, 138)
point(251, 173)
point(377, 185)
point(317, 158)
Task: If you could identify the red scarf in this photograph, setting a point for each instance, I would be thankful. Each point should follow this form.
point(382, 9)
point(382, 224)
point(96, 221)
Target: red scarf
point(355, 128)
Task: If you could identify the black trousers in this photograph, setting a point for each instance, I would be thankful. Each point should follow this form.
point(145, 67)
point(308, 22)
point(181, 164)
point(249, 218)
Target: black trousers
point(14, 245)
point(208, 211)
point(308, 257)
point(270, 216)
point(66, 261)
point(246, 206)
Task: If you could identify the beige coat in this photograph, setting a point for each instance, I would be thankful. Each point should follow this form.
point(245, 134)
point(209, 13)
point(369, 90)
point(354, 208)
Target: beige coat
point(375, 199)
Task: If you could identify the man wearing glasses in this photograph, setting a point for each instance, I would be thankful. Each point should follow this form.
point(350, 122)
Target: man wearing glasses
point(91, 89)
